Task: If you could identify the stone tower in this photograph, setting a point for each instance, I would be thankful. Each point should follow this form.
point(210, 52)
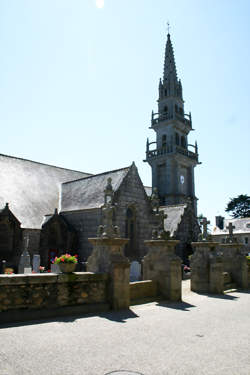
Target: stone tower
point(169, 156)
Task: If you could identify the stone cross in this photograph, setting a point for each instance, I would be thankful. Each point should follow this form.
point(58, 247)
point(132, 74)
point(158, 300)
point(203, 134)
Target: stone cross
point(24, 261)
point(155, 201)
point(230, 228)
point(204, 224)
point(36, 263)
point(107, 229)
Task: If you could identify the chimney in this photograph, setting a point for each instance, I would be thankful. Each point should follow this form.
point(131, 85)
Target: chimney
point(219, 221)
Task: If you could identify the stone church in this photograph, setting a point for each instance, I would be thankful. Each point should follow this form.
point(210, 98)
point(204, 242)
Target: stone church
point(49, 210)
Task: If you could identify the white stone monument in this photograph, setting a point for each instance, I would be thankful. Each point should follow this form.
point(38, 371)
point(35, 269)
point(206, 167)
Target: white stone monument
point(135, 271)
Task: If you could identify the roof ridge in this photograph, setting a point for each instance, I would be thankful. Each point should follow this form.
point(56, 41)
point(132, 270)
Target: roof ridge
point(95, 175)
point(48, 165)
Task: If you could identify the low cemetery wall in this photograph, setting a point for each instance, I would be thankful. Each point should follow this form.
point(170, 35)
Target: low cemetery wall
point(142, 289)
point(24, 297)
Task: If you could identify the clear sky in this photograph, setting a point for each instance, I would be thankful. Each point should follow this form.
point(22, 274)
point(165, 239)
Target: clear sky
point(79, 79)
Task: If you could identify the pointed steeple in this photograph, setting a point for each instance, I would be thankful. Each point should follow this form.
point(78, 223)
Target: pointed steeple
point(171, 86)
point(169, 73)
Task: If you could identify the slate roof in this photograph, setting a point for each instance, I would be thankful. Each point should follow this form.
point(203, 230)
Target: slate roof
point(174, 217)
point(88, 192)
point(148, 190)
point(31, 188)
point(241, 226)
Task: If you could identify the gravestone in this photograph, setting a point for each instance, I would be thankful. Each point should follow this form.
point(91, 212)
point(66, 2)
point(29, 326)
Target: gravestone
point(36, 263)
point(135, 271)
point(55, 268)
point(24, 261)
point(3, 266)
point(27, 270)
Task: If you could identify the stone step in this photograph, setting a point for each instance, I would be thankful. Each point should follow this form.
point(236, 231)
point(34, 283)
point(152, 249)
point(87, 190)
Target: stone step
point(229, 286)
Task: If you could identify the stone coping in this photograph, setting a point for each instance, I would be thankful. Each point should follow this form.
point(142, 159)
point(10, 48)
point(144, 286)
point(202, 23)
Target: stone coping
point(162, 242)
point(47, 278)
point(205, 244)
point(108, 241)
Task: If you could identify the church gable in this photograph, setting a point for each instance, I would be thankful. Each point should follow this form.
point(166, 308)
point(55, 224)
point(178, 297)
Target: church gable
point(134, 214)
point(10, 236)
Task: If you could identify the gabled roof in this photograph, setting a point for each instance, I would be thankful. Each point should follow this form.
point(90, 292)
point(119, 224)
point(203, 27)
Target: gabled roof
point(242, 225)
point(88, 192)
point(174, 216)
point(31, 188)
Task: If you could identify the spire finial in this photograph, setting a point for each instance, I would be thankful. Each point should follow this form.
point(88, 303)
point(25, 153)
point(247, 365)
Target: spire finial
point(168, 27)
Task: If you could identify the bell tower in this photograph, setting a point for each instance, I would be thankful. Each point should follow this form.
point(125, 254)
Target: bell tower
point(170, 157)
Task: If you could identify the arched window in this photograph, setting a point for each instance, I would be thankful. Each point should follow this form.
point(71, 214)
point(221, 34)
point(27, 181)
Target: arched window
point(164, 141)
point(176, 108)
point(130, 232)
point(183, 142)
point(165, 92)
point(177, 139)
point(166, 108)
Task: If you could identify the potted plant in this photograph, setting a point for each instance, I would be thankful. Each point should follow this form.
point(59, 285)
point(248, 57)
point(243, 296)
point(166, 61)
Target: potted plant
point(66, 262)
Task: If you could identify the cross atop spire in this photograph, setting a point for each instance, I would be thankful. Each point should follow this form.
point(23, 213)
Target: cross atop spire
point(168, 26)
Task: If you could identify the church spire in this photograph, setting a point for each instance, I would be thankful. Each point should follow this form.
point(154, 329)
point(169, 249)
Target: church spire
point(169, 73)
point(171, 86)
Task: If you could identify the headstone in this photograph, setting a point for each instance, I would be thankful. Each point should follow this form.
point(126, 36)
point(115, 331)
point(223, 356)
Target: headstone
point(3, 266)
point(55, 268)
point(24, 261)
point(36, 263)
point(135, 271)
point(27, 270)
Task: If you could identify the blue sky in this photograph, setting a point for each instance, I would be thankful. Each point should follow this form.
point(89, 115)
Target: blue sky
point(79, 79)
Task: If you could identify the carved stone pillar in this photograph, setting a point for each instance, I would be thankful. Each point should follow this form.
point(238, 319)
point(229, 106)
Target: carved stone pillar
point(235, 263)
point(206, 267)
point(107, 257)
point(162, 265)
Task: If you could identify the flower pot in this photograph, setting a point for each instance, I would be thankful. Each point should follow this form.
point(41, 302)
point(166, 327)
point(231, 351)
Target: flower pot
point(67, 267)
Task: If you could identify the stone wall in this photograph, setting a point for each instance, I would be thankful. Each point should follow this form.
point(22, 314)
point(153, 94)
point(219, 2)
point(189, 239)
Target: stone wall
point(140, 290)
point(32, 293)
point(85, 223)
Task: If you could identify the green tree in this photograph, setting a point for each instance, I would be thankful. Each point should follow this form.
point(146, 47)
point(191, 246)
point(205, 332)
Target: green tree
point(239, 207)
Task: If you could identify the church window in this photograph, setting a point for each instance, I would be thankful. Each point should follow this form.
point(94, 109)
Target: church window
point(166, 108)
point(130, 232)
point(176, 108)
point(177, 139)
point(181, 111)
point(164, 141)
point(246, 240)
point(183, 142)
point(165, 91)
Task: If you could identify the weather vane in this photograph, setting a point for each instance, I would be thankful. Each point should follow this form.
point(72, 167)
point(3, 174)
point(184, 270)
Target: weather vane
point(168, 26)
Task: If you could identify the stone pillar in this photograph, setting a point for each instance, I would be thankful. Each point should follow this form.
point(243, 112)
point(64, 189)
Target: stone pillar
point(107, 257)
point(235, 263)
point(162, 265)
point(201, 271)
point(216, 277)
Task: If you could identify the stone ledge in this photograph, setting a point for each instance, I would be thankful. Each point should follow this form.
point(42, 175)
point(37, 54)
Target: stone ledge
point(48, 278)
